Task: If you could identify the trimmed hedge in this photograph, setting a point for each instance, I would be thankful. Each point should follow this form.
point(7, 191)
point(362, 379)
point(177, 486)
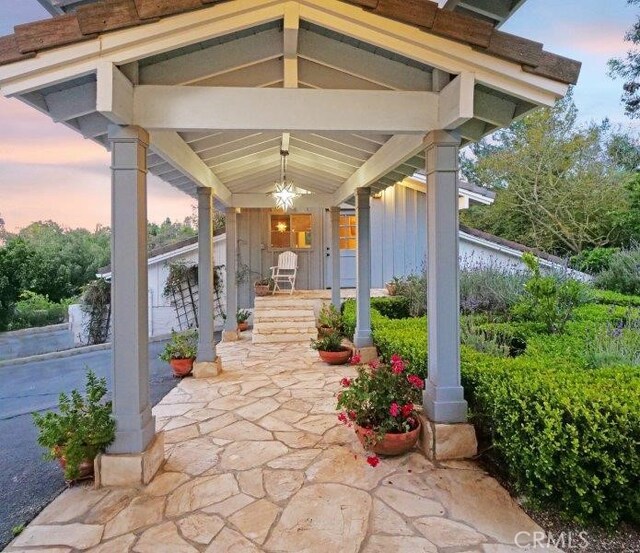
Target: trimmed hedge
point(607, 297)
point(566, 436)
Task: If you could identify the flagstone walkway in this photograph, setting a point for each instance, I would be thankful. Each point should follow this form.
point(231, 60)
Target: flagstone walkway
point(256, 461)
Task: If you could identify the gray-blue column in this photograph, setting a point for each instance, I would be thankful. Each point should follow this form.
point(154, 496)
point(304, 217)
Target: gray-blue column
point(444, 396)
point(129, 299)
point(335, 256)
point(363, 336)
point(206, 341)
point(231, 226)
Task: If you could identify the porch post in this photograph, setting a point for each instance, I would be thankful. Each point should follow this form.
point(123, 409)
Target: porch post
point(130, 354)
point(362, 338)
point(443, 398)
point(230, 325)
point(206, 343)
point(335, 257)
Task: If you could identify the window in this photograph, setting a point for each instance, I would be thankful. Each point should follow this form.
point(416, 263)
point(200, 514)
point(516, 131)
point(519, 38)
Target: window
point(290, 231)
point(348, 232)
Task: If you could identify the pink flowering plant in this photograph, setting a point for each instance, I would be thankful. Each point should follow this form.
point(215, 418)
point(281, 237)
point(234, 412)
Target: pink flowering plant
point(381, 399)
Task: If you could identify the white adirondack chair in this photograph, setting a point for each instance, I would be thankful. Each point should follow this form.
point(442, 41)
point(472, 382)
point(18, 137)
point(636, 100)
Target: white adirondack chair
point(285, 271)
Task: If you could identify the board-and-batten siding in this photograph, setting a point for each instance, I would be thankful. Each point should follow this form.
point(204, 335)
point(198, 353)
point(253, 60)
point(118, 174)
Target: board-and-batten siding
point(254, 251)
point(398, 234)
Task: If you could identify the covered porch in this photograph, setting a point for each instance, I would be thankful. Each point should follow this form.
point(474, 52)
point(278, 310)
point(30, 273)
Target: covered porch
point(257, 461)
point(211, 95)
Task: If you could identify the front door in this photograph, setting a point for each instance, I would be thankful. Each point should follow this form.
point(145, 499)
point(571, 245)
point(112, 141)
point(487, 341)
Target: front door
point(348, 245)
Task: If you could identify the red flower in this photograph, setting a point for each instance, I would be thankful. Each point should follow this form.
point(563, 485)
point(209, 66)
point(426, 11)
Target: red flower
point(407, 410)
point(394, 409)
point(352, 415)
point(416, 381)
point(374, 364)
point(345, 382)
point(355, 359)
point(343, 418)
point(373, 460)
point(397, 364)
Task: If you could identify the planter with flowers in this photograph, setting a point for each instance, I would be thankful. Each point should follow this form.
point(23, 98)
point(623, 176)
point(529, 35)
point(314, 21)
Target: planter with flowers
point(242, 318)
point(180, 352)
point(380, 405)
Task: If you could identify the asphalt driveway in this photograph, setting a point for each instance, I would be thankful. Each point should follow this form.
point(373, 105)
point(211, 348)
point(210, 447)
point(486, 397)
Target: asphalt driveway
point(27, 482)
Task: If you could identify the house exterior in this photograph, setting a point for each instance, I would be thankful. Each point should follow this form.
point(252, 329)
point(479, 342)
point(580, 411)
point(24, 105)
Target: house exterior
point(211, 96)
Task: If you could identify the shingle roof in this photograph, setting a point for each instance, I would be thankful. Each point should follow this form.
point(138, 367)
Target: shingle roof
point(109, 15)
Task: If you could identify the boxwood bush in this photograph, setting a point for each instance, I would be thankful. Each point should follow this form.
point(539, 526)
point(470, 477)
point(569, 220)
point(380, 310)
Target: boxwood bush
point(565, 435)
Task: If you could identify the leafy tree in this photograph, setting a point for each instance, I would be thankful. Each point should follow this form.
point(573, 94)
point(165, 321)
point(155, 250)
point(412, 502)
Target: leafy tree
point(561, 187)
point(168, 232)
point(14, 258)
point(628, 68)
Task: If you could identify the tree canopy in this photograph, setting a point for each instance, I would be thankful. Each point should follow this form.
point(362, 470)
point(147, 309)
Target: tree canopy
point(561, 187)
point(628, 68)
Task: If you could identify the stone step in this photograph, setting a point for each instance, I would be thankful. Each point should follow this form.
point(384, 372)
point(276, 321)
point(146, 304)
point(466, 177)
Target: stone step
point(292, 314)
point(280, 338)
point(280, 328)
point(281, 303)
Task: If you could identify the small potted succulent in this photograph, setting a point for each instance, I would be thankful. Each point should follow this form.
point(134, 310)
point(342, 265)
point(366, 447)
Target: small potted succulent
point(263, 286)
point(181, 352)
point(82, 428)
point(242, 318)
point(331, 350)
point(329, 320)
point(380, 405)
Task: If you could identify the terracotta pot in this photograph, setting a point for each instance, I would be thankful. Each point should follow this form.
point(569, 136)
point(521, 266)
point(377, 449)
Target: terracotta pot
point(181, 367)
point(336, 357)
point(243, 326)
point(262, 290)
point(392, 289)
point(391, 444)
point(85, 468)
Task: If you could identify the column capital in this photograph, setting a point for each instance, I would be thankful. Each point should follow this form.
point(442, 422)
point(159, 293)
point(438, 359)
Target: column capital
point(128, 133)
point(231, 210)
point(205, 191)
point(335, 209)
point(442, 138)
point(363, 191)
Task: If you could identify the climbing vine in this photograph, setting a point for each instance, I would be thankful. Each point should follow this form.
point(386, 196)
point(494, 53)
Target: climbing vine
point(96, 303)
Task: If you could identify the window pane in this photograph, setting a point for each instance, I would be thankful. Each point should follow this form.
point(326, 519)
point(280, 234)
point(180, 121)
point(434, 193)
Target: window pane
point(301, 230)
point(348, 232)
point(280, 231)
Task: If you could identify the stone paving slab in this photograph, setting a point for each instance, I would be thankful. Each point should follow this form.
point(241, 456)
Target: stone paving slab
point(257, 461)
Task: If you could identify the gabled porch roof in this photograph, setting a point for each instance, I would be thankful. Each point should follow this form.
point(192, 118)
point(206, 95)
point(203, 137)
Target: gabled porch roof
point(348, 88)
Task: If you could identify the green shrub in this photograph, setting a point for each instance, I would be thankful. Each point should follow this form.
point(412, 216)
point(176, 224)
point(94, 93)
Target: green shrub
point(394, 307)
point(492, 288)
point(482, 339)
point(547, 299)
point(414, 289)
point(593, 261)
point(616, 345)
point(33, 310)
point(623, 273)
point(607, 297)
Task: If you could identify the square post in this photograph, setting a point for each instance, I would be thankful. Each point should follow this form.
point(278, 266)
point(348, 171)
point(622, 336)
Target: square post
point(205, 365)
point(335, 257)
point(363, 337)
point(137, 452)
point(230, 333)
point(444, 397)
point(129, 296)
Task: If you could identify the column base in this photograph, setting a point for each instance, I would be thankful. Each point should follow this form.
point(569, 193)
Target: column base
point(363, 339)
point(230, 335)
point(445, 404)
point(445, 442)
point(207, 369)
point(130, 470)
point(367, 354)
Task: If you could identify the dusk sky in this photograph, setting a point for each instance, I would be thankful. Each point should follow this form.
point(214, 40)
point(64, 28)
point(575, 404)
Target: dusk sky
point(48, 171)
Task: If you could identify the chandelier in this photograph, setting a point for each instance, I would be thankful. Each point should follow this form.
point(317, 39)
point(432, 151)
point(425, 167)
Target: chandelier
point(285, 192)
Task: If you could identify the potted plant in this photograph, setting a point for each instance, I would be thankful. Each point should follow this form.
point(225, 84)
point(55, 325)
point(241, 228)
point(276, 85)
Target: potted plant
point(392, 286)
point(263, 286)
point(242, 317)
point(329, 320)
point(181, 352)
point(331, 350)
point(82, 428)
point(379, 405)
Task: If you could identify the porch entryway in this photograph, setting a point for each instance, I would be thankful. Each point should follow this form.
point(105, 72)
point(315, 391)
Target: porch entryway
point(257, 461)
